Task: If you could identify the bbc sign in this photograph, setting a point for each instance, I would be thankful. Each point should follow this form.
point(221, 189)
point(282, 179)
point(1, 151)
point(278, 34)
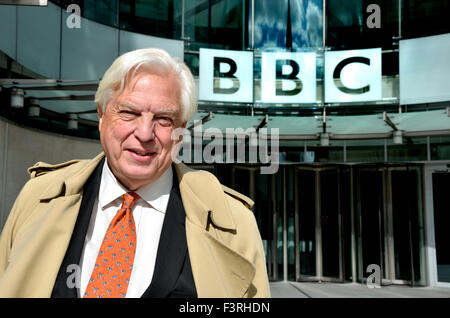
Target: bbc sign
point(350, 76)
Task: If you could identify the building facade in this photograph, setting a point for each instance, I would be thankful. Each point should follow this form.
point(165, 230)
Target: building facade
point(333, 116)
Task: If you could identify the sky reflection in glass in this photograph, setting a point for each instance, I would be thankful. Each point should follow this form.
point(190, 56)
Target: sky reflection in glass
point(271, 24)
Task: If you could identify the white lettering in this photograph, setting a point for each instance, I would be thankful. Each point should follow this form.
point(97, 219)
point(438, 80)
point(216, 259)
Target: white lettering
point(196, 308)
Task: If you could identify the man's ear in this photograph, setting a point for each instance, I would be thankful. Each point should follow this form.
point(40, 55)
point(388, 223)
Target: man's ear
point(100, 116)
point(180, 132)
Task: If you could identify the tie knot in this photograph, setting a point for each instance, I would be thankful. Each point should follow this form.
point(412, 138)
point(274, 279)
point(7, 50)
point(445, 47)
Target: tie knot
point(129, 199)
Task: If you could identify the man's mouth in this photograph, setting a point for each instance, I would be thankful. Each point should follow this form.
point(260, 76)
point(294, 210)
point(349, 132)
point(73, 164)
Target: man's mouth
point(141, 153)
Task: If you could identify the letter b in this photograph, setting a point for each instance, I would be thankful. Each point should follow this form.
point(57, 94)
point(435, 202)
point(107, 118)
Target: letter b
point(291, 76)
point(226, 76)
point(218, 61)
point(288, 77)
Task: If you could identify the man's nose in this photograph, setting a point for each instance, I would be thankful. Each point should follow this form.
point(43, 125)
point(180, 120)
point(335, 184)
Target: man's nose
point(145, 129)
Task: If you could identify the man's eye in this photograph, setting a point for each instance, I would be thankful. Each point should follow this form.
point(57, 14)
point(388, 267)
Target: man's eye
point(127, 114)
point(165, 121)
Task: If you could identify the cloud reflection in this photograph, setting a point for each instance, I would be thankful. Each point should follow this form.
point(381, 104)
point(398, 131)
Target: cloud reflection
point(271, 24)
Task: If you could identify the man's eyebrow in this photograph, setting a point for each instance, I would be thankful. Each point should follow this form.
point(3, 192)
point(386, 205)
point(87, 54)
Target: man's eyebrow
point(163, 112)
point(167, 112)
point(128, 105)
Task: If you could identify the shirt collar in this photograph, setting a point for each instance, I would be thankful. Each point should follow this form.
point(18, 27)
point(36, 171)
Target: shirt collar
point(156, 194)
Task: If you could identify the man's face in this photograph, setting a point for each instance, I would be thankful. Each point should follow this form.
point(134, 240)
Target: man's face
point(136, 128)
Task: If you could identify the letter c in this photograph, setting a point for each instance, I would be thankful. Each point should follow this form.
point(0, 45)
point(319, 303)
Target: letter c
point(338, 70)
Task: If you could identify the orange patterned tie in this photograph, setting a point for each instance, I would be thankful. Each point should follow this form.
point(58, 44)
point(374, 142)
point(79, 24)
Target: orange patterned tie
point(114, 263)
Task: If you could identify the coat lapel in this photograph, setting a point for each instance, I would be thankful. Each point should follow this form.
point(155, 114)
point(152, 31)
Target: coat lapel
point(75, 248)
point(218, 269)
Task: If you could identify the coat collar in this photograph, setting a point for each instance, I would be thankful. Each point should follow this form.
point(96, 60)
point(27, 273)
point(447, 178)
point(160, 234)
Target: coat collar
point(69, 183)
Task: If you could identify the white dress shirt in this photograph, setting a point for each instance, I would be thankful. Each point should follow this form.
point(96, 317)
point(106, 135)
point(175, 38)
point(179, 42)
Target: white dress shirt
point(148, 213)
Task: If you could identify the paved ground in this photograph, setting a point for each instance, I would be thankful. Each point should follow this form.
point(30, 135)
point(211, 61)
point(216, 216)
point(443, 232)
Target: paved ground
point(352, 290)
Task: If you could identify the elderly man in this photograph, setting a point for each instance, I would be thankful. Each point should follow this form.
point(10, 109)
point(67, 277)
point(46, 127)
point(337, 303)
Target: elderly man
point(130, 222)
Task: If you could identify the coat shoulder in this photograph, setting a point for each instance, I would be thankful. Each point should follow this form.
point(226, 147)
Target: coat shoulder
point(62, 170)
point(207, 177)
point(47, 181)
point(41, 168)
point(246, 201)
point(204, 181)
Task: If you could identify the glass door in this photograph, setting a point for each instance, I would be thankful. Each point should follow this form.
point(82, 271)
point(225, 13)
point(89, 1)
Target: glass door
point(330, 223)
point(318, 220)
point(390, 223)
point(441, 208)
point(404, 207)
point(370, 219)
point(305, 224)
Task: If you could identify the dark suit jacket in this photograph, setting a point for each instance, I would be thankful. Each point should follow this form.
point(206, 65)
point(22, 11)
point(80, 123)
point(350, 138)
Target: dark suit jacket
point(172, 275)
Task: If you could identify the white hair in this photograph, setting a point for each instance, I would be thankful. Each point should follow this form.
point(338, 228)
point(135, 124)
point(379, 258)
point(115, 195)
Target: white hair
point(150, 60)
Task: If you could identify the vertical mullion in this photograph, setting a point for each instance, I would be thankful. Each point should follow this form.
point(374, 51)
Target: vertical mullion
point(285, 258)
point(318, 228)
point(341, 255)
point(274, 228)
point(297, 226)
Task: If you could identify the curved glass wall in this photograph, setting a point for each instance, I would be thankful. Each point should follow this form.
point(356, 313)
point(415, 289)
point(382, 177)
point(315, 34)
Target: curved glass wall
point(275, 25)
point(242, 25)
point(229, 24)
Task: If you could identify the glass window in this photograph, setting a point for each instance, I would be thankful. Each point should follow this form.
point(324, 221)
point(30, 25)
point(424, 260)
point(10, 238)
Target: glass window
point(102, 11)
point(425, 18)
point(287, 24)
point(348, 27)
point(214, 24)
point(412, 149)
point(440, 147)
point(365, 150)
point(148, 16)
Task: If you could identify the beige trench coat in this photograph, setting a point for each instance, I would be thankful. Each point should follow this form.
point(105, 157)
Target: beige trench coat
point(224, 243)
